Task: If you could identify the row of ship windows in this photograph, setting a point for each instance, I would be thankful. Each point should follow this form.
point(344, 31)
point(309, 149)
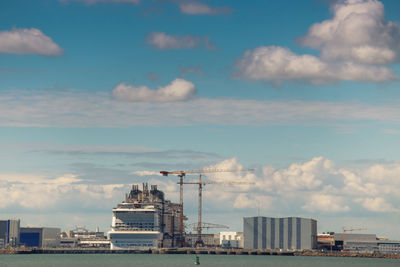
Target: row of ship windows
point(134, 245)
point(135, 212)
point(137, 221)
point(135, 224)
point(134, 229)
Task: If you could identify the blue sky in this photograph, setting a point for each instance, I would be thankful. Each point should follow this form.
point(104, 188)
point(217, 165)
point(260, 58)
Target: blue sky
point(95, 92)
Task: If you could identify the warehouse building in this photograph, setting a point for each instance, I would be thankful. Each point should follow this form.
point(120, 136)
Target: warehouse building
point(40, 237)
point(9, 233)
point(292, 233)
point(389, 247)
point(366, 243)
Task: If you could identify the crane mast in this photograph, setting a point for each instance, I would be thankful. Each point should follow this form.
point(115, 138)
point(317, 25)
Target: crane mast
point(200, 183)
point(199, 225)
point(181, 175)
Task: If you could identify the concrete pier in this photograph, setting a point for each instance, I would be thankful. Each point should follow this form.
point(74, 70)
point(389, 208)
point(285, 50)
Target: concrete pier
point(210, 251)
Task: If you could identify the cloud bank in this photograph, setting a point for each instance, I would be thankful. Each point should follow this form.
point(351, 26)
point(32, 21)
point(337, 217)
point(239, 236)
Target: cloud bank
point(28, 41)
point(80, 109)
point(355, 45)
point(34, 192)
point(315, 186)
point(177, 90)
point(163, 41)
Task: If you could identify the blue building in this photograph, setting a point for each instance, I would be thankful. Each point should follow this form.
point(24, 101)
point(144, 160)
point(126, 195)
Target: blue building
point(40, 237)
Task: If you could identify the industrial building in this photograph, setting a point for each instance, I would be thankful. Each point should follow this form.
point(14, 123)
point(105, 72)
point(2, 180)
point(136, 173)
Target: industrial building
point(9, 233)
point(357, 243)
point(231, 239)
point(389, 247)
point(144, 220)
point(209, 240)
point(40, 237)
point(292, 233)
point(81, 237)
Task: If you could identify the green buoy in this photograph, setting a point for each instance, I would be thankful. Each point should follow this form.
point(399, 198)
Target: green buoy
point(197, 260)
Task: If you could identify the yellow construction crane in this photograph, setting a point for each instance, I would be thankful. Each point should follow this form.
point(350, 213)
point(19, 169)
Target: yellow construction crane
point(200, 183)
point(349, 230)
point(181, 175)
point(205, 225)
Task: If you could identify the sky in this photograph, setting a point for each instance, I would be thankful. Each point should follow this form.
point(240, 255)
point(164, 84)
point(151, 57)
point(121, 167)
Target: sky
point(97, 95)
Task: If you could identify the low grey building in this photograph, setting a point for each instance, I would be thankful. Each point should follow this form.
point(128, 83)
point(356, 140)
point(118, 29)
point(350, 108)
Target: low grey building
point(389, 247)
point(292, 233)
point(366, 243)
point(40, 236)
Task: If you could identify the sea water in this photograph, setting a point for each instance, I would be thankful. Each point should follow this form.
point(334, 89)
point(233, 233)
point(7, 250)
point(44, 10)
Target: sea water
point(143, 260)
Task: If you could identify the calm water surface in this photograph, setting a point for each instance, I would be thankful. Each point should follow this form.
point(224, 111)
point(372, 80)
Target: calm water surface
point(108, 260)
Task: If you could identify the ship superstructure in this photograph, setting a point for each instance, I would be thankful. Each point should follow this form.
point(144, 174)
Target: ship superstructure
point(144, 220)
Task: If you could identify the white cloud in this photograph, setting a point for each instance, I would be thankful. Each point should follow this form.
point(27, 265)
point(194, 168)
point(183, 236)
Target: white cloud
point(28, 41)
point(37, 179)
point(146, 173)
point(324, 203)
point(38, 192)
point(163, 41)
point(379, 172)
point(353, 47)
point(377, 204)
point(243, 201)
point(357, 31)
point(315, 186)
point(234, 173)
point(198, 8)
point(177, 90)
point(308, 175)
point(277, 64)
point(77, 109)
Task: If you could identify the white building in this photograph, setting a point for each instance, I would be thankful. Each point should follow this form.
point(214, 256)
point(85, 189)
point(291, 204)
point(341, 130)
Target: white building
point(231, 239)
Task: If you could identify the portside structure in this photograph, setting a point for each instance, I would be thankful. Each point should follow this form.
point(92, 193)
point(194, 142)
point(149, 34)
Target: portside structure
point(144, 220)
point(292, 233)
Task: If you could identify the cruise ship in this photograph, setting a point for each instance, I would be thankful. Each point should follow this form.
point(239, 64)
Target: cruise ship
point(144, 220)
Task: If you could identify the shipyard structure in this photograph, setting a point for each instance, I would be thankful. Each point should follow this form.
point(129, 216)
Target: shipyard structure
point(292, 233)
point(144, 220)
